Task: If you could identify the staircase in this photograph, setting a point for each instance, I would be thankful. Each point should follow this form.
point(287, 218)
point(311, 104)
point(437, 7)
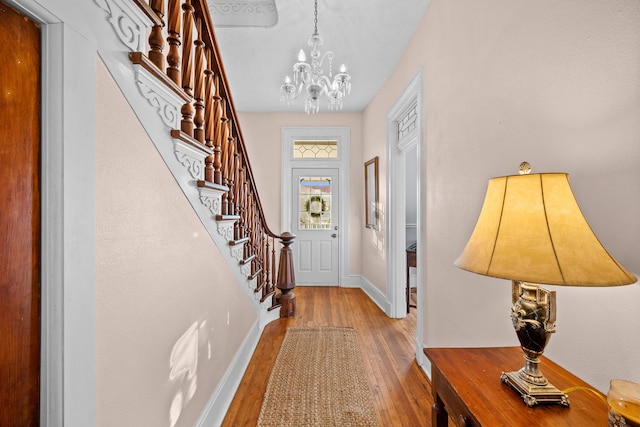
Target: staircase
point(190, 117)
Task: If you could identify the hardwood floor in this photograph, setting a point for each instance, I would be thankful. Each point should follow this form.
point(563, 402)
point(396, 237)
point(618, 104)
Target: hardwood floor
point(401, 391)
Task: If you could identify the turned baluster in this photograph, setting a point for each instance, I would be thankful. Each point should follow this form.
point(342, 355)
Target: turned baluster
point(218, 108)
point(255, 244)
point(260, 256)
point(240, 198)
point(156, 38)
point(237, 176)
point(272, 282)
point(173, 38)
point(255, 237)
point(231, 170)
point(199, 87)
point(267, 265)
point(225, 154)
point(263, 264)
point(209, 124)
point(253, 232)
point(186, 125)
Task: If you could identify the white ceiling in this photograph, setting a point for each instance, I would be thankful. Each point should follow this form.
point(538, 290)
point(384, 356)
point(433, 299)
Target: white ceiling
point(259, 41)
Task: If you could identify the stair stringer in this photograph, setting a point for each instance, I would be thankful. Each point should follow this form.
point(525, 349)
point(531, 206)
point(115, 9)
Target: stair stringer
point(119, 31)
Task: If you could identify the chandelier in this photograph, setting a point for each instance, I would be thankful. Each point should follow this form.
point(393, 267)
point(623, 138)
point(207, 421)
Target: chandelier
point(311, 77)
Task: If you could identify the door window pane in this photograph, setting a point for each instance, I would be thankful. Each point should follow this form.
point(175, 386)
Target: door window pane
point(314, 194)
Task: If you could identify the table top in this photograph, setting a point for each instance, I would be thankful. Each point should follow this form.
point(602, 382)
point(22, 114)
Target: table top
point(474, 374)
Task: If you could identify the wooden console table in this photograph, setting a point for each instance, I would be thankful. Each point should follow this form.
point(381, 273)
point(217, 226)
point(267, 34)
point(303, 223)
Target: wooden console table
point(467, 389)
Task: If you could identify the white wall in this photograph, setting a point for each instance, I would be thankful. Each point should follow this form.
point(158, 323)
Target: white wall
point(159, 278)
point(558, 85)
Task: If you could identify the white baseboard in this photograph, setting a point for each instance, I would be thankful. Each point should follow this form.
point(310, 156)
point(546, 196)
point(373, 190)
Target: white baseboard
point(376, 295)
point(422, 360)
point(217, 406)
point(351, 281)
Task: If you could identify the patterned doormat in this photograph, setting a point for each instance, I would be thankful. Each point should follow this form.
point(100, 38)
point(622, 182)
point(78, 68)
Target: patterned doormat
point(318, 379)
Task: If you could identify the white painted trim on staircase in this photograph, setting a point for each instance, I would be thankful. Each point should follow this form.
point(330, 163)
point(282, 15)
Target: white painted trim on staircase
point(220, 400)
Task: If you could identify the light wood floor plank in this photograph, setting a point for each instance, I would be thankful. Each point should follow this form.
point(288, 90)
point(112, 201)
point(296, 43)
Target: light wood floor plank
point(401, 392)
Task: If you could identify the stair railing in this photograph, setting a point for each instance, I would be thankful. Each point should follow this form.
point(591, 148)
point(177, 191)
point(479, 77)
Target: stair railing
point(184, 55)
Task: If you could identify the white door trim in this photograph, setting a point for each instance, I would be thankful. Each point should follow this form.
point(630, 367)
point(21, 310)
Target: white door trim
point(342, 135)
point(396, 240)
point(68, 275)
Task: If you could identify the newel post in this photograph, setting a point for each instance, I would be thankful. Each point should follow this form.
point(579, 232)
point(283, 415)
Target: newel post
point(286, 280)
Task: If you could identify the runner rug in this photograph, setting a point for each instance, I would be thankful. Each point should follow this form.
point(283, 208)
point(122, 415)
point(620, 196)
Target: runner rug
point(318, 379)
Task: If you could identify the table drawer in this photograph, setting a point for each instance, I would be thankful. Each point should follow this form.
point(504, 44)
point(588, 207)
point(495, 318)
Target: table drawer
point(453, 405)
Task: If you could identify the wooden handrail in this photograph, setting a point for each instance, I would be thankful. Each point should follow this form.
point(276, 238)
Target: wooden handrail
point(193, 65)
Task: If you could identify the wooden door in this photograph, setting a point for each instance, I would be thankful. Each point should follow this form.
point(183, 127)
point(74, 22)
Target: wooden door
point(19, 219)
point(315, 216)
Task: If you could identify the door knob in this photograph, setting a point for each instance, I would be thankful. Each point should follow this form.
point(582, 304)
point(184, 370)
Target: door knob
point(334, 235)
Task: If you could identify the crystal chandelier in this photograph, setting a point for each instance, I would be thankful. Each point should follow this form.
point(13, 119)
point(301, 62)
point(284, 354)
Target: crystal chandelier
point(312, 79)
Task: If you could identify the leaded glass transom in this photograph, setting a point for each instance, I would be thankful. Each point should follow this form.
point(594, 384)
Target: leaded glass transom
point(315, 149)
point(408, 122)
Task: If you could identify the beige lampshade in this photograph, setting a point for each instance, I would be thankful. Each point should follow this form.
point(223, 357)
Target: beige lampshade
point(531, 229)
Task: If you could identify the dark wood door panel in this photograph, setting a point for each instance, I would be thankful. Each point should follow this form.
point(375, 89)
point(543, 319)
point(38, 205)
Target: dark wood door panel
point(19, 219)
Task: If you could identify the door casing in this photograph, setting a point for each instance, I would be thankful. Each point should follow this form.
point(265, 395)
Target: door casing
point(396, 244)
point(342, 135)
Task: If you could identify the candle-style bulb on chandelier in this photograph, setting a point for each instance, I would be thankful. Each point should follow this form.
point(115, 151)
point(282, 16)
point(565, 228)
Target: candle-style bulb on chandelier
point(311, 79)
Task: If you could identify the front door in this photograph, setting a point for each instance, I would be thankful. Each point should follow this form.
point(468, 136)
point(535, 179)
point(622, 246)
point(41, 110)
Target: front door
point(315, 223)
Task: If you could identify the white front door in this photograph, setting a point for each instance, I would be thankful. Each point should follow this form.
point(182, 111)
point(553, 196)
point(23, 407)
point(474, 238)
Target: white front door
point(315, 222)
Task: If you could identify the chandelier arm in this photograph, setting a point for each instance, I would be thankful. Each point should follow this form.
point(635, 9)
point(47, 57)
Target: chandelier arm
point(328, 54)
point(326, 83)
point(299, 90)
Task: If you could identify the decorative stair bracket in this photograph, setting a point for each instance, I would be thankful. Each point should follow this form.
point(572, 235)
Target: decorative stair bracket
point(128, 21)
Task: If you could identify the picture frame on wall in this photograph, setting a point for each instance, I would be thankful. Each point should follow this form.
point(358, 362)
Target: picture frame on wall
point(371, 193)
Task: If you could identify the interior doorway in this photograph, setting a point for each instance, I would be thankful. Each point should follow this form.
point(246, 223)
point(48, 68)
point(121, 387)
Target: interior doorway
point(404, 145)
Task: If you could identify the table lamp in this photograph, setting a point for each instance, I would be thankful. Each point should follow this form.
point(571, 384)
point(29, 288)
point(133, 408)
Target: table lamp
point(531, 231)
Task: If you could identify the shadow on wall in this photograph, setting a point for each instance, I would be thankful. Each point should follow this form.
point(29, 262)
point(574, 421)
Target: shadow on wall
point(378, 236)
point(183, 365)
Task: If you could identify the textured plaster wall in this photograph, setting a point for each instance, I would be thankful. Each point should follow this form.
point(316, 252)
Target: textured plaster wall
point(556, 84)
point(170, 315)
point(262, 133)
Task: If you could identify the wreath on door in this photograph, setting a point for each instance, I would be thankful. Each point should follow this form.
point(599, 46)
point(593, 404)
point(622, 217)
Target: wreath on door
point(315, 206)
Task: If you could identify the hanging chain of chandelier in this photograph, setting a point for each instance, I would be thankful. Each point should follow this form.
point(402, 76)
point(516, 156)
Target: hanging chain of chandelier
point(310, 78)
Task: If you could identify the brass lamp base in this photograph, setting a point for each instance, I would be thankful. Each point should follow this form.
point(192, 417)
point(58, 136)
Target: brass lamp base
point(534, 394)
point(533, 315)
